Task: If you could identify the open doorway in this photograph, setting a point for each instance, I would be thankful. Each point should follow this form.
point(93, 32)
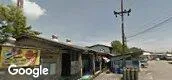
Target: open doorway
point(87, 64)
point(66, 64)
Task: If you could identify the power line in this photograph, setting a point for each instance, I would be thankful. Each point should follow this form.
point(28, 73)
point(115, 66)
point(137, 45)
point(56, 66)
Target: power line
point(155, 26)
point(150, 23)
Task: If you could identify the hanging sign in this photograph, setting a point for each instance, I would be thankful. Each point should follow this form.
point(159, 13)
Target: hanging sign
point(21, 57)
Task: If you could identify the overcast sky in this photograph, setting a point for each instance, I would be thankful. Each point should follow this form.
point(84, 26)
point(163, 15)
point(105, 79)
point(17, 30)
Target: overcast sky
point(89, 22)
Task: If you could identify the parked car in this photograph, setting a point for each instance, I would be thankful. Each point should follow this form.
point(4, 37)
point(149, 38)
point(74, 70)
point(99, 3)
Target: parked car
point(157, 59)
point(169, 58)
point(143, 64)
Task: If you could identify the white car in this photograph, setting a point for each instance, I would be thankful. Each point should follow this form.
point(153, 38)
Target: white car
point(143, 64)
point(157, 59)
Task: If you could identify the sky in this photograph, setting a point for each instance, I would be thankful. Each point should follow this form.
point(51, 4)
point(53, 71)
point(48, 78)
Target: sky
point(89, 22)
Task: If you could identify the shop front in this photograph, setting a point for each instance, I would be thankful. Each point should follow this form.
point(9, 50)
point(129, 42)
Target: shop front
point(63, 60)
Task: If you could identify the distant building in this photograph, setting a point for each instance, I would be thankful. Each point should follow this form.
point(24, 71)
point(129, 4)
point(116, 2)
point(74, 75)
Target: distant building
point(161, 56)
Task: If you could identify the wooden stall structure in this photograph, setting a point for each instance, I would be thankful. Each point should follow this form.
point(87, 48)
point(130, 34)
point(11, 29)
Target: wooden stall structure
point(63, 60)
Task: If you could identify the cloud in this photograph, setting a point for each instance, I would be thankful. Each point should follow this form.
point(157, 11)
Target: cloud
point(32, 10)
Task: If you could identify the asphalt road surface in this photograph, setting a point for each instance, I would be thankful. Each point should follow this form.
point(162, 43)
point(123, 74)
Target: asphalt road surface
point(110, 76)
point(157, 70)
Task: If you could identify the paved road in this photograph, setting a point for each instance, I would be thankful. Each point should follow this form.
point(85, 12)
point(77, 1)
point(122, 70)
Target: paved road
point(110, 76)
point(157, 70)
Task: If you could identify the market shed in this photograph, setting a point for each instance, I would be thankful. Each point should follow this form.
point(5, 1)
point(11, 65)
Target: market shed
point(63, 60)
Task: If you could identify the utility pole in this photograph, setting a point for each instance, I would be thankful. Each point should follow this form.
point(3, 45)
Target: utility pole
point(121, 13)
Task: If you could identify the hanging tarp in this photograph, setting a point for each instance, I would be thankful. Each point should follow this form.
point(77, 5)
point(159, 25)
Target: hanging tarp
point(22, 57)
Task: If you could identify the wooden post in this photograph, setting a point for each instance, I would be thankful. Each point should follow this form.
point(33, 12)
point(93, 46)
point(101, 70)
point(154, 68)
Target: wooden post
point(80, 62)
point(101, 63)
point(93, 59)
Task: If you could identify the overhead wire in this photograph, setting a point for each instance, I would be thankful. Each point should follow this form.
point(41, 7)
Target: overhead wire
point(149, 29)
point(162, 21)
point(149, 23)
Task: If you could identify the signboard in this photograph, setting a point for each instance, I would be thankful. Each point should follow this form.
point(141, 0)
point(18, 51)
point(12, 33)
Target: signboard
point(22, 57)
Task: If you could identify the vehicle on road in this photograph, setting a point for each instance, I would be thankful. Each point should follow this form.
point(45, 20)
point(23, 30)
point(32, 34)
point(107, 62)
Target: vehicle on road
point(143, 64)
point(168, 57)
point(157, 59)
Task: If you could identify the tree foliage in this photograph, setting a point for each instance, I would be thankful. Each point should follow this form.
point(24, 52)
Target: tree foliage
point(117, 47)
point(135, 49)
point(13, 22)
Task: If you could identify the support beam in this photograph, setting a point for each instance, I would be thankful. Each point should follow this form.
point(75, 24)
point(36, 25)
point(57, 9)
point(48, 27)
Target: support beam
point(101, 63)
point(80, 62)
point(93, 59)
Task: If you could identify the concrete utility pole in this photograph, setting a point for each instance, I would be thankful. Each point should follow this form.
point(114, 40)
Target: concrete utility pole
point(122, 25)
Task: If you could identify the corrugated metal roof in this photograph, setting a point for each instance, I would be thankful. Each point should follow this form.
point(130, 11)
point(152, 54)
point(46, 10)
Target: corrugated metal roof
point(99, 45)
point(54, 42)
point(64, 44)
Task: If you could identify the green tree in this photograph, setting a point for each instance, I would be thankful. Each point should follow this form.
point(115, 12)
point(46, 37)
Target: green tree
point(135, 49)
point(117, 47)
point(126, 49)
point(13, 23)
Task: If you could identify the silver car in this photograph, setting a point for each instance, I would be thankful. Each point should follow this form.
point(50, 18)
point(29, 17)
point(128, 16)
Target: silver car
point(143, 64)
